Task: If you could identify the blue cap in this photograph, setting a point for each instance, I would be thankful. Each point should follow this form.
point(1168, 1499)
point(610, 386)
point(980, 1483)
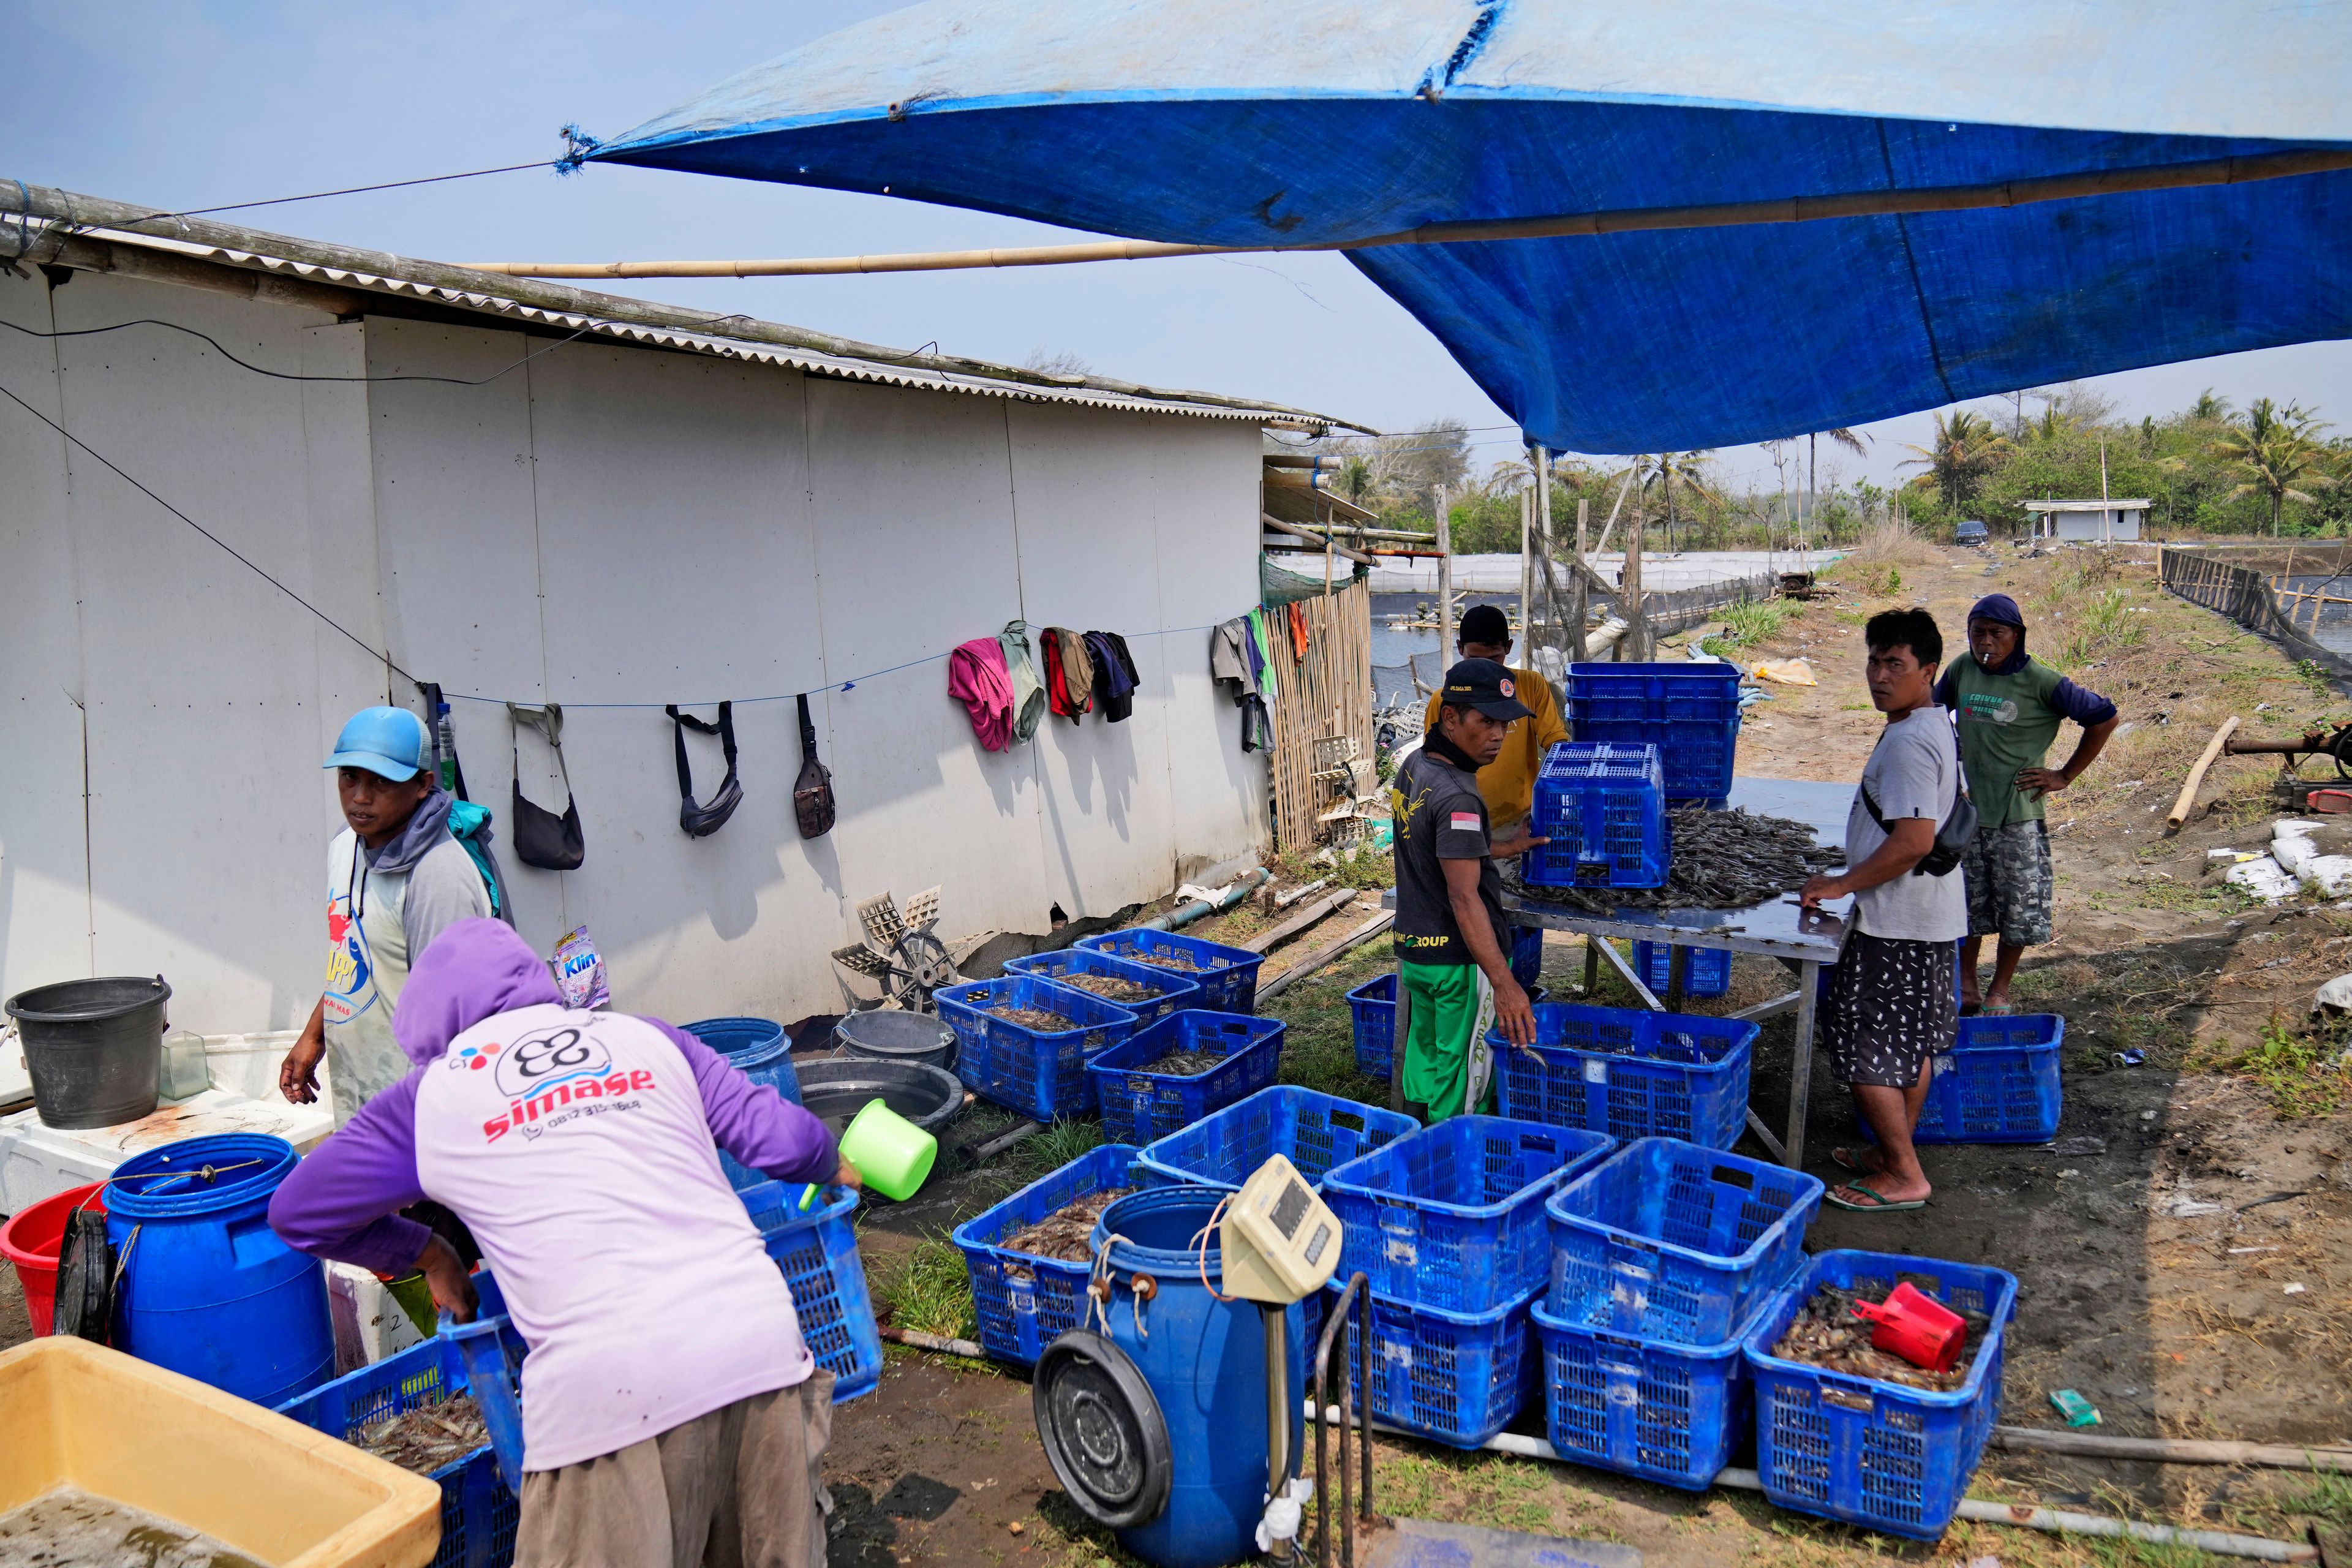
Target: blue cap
point(391, 742)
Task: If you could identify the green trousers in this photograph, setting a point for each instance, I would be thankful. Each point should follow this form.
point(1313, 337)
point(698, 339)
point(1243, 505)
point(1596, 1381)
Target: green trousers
point(1448, 1066)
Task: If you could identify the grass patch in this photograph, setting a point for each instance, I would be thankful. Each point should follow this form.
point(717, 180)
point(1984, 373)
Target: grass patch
point(2298, 1068)
point(1042, 1154)
point(929, 1291)
point(2105, 624)
point(1746, 624)
point(1318, 1049)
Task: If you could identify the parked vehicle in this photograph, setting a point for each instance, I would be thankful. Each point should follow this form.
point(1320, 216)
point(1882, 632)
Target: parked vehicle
point(1971, 533)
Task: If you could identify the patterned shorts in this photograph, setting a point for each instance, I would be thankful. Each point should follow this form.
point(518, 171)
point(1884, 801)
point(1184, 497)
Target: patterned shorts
point(2008, 872)
point(1890, 1008)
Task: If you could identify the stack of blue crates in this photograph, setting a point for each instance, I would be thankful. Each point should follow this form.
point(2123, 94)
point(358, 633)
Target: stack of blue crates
point(1447, 1224)
point(1317, 1132)
point(1666, 1259)
point(1689, 712)
point(1139, 1105)
point(1372, 1005)
point(1604, 809)
point(1629, 1072)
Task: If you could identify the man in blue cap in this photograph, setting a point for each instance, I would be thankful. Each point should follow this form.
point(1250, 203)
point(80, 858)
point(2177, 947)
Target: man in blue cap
point(2008, 706)
point(396, 878)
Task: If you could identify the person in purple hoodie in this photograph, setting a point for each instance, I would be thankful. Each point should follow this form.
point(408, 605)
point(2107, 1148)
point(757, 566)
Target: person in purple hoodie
point(672, 1412)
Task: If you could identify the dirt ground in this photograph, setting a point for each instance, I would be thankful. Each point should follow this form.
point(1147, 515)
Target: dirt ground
point(2181, 1247)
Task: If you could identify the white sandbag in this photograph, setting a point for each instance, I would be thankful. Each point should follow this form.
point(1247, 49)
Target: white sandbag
point(2328, 874)
point(2334, 998)
point(2290, 843)
point(2265, 879)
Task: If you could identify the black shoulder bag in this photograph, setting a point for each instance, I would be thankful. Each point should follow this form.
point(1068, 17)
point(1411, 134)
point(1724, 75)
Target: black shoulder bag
point(813, 790)
point(702, 821)
point(1952, 839)
point(542, 838)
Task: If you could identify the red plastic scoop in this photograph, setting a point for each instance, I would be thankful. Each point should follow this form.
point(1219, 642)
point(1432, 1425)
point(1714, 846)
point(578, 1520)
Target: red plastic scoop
point(1920, 1329)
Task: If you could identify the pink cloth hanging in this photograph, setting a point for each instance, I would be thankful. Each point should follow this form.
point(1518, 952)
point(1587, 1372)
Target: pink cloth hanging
point(978, 679)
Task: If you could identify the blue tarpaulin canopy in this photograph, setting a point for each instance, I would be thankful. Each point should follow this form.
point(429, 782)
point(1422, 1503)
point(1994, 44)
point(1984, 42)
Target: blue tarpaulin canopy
point(1244, 122)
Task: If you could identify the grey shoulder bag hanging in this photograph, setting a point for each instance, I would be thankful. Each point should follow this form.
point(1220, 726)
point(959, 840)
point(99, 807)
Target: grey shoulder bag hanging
point(702, 821)
point(542, 838)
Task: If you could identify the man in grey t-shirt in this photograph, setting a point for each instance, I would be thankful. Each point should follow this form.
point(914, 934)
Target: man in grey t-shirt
point(1891, 1009)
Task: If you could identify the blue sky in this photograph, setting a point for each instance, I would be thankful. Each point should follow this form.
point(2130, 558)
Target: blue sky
point(184, 105)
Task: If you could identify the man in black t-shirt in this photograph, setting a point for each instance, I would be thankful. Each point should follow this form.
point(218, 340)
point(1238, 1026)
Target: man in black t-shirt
point(1452, 969)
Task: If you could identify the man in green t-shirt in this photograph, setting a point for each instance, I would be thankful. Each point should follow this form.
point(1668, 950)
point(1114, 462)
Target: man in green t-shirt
point(2008, 706)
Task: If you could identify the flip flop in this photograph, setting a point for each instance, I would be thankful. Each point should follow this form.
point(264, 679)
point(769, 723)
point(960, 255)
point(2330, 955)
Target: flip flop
point(1876, 1203)
point(1845, 1161)
point(1998, 1009)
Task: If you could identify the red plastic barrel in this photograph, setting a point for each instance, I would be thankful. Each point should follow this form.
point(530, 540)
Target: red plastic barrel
point(30, 1240)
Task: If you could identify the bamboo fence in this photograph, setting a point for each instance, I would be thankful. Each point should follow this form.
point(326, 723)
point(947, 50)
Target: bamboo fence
point(1328, 693)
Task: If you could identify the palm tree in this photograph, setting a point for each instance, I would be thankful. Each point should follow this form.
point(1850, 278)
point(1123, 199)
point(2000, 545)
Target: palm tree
point(2275, 447)
point(2208, 410)
point(1966, 448)
point(1664, 471)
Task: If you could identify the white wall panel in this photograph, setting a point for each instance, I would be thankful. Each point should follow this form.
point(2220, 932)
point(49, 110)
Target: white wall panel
point(202, 680)
point(44, 916)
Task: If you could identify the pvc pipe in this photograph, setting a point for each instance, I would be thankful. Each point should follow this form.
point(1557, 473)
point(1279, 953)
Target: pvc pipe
point(1185, 914)
point(2024, 1516)
point(932, 1342)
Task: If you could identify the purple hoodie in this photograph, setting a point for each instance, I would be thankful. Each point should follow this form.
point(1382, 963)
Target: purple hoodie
point(571, 1146)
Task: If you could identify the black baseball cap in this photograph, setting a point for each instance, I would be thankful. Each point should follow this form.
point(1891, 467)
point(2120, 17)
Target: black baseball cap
point(1488, 687)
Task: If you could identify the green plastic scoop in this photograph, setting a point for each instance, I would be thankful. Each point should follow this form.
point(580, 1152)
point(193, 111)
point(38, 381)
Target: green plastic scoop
point(890, 1152)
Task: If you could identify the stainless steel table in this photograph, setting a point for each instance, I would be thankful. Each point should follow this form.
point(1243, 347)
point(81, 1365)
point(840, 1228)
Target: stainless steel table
point(1804, 940)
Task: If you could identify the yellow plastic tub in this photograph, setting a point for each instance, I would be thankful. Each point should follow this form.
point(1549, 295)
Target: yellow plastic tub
point(73, 1413)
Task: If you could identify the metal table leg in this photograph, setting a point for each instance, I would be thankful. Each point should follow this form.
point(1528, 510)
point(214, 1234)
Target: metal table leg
point(1801, 1066)
point(1591, 967)
point(1678, 962)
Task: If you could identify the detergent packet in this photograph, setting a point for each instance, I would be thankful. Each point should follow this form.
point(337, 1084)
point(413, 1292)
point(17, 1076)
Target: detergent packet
point(579, 970)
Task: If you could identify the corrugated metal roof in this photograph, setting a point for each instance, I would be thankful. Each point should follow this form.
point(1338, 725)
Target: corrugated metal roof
point(614, 325)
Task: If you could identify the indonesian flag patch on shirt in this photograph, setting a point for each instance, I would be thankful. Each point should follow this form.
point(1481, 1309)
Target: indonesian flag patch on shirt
point(1466, 821)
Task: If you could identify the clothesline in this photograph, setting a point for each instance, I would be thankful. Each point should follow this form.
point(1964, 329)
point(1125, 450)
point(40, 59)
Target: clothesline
point(749, 702)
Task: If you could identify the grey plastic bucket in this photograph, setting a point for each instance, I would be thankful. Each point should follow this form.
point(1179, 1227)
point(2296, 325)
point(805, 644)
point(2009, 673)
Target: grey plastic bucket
point(894, 1037)
point(837, 1089)
point(95, 1048)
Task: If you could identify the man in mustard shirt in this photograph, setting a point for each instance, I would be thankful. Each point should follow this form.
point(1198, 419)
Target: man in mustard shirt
point(1507, 784)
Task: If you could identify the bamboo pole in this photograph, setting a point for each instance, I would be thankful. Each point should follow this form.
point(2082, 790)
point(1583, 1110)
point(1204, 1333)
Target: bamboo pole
point(1527, 573)
point(1581, 608)
point(2176, 1450)
point(2188, 798)
point(1629, 595)
point(1878, 202)
point(1274, 525)
point(1445, 581)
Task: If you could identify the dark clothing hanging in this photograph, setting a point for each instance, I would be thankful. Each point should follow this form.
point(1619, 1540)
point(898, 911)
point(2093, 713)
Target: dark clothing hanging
point(1115, 676)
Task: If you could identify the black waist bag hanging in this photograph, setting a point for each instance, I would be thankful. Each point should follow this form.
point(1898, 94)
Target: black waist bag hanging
point(542, 838)
point(702, 821)
point(813, 790)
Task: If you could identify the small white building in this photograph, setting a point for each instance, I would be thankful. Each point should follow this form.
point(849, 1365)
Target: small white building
point(2091, 522)
point(526, 493)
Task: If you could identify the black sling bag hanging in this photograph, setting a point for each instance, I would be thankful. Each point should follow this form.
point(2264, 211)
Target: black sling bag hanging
point(542, 838)
point(813, 790)
point(702, 821)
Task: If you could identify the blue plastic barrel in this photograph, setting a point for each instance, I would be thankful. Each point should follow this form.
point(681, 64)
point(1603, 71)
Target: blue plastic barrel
point(761, 1051)
point(205, 1287)
point(1205, 1361)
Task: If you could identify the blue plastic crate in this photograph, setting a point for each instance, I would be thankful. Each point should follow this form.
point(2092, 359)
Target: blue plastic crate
point(1629, 1072)
point(1023, 1302)
point(1998, 1085)
point(1880, 1455)
point(1455, 1378)
point(817, 1251)
point(1139, 1106)
point(477, 1512)
point(1674, 1242)
point(1317, 1132)
point(1175, 991)
point(1373, 1008)
point(1227, 976)
point(1603, 808)
point(1042, 1075)
point(1453, 1216)
point(1690, 711)
point(1666, 1413)
point(1706, 970)
point(1527, 956)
